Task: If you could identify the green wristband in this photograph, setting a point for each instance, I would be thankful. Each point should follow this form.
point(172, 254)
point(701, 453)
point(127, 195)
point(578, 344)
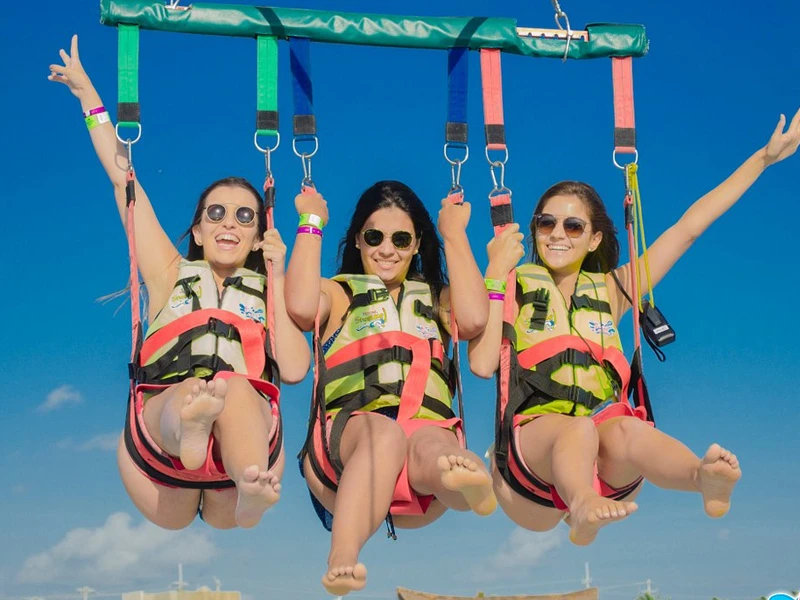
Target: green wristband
point(311, 219)
point(495, 285)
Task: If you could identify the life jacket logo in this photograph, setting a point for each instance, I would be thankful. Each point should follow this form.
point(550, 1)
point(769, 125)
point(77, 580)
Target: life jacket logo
point(179, 298)
point(429, 332)
point(602, 327)
point(248, 312)
point(370, 319)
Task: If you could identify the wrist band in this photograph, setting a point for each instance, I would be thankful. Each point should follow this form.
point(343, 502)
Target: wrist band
point(497, 296)
point(93, 121)
point(311, 219)
point(310, 229)
point(495, 285)
point(94, 111)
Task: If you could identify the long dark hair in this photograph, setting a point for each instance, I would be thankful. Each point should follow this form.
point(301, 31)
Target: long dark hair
point(605, 257)
point(255, 260)
point(426, 266)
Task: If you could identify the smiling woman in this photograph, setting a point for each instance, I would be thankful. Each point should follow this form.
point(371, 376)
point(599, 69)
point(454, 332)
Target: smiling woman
point(202, 369)
point(384, 439)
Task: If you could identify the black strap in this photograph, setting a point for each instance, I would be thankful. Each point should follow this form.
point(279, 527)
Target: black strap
point(369, 297)
point(540, 300)
point(579, 302)
point(186, 284)
point(424, 310)
point(237, 283)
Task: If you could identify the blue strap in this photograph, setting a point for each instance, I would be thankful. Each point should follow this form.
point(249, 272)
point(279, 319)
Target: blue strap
point(457, 71)
point(305, 127)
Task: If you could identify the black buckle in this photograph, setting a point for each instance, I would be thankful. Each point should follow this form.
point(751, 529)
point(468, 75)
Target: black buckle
point(377, 295)
point(221, 329)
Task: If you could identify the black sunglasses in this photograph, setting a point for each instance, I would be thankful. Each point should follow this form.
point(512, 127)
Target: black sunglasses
point(400, 239)
point(546, 223)
point(216, 213)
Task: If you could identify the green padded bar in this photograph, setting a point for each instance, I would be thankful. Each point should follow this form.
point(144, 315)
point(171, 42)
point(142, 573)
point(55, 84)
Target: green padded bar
point(267, 78)
point(128, 75)
point(605, 40)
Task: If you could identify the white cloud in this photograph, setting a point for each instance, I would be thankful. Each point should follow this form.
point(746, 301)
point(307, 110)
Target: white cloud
point(117, 550)
point(524, 549)
point(104, 441)
point(65, 394)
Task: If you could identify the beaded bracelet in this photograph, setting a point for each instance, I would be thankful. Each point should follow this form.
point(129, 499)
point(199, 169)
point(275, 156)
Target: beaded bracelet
point(311, 219)
point(497, 296)
point(94, 111)
point(495, 285)
point(96, 119)
point(310, 229)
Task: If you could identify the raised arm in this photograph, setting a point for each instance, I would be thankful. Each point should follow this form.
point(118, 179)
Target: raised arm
point(156, 254)
point(676, 240)
point(466, 296)
point(305, 291)
point(505, 251)
point(291, 348)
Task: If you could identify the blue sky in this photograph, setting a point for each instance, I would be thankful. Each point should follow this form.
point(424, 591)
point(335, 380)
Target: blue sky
point(708, 95)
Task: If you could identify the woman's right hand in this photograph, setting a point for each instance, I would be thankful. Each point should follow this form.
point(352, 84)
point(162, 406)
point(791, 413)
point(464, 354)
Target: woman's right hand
point(71, 73)
point(311, 201)
point(505, 252)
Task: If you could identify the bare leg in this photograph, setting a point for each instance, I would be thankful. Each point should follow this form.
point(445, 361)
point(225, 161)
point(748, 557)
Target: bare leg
point(242, 430)
point(562, 450)
point(167, 507)
point(373, 451)
point(180, 418)
point(630, 448)
point(437, 465)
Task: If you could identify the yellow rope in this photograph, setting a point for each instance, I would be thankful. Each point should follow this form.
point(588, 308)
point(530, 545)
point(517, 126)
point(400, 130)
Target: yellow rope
point(638, 231)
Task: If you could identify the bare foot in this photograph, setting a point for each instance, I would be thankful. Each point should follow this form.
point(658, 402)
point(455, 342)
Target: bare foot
point(462, 474)
point(719, 471)
point(343, 580)
point(586, 518)
point(258, 490)
point(200, 409)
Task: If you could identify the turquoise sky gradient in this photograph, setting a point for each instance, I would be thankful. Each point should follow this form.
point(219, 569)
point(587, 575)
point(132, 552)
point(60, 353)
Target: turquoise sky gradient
point(709, 94)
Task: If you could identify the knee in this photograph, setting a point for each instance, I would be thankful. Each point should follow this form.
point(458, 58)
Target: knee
point(582, 426)
point(388, 441)
point(627, 427)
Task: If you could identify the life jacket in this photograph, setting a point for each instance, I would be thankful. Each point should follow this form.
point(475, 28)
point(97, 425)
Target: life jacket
point(565, 360)
point(206, 334)
point(384, 355)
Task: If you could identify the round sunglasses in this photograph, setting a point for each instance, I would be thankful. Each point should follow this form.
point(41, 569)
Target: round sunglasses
point(216, 213)
point(400, 239)
point(546, 223)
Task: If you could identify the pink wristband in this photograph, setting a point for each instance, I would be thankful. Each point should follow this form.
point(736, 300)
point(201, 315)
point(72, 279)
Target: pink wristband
point(497, 296)
point(94, 111)
point(310, 229)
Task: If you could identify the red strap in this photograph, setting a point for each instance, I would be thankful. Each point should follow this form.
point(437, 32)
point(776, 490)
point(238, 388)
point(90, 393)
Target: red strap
point(492, 80)
point(251, 333)
point(622, 75)
point(372, 343)
point(415, 381)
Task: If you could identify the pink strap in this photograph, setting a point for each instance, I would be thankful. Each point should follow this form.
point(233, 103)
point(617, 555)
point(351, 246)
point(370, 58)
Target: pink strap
point(624, 122)
point(492, 79)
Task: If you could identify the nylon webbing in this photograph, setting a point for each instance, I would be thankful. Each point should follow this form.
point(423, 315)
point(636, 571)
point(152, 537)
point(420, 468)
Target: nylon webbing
point(457, 77)
point(491, 76)
point(128, 76)
point(267, 84)
point(624, 123)
point(305, 126)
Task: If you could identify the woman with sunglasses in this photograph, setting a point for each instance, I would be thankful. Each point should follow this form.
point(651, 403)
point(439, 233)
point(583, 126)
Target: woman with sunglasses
point(383, 437)
point(570, 444)
point(207, 433)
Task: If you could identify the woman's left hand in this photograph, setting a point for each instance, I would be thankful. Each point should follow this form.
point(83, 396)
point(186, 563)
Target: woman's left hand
point(782, 145)
point(274, 251)
point(453, 218)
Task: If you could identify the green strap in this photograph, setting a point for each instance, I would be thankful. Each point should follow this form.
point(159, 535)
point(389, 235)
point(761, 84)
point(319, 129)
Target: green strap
point(267, 103)
point(128, 69)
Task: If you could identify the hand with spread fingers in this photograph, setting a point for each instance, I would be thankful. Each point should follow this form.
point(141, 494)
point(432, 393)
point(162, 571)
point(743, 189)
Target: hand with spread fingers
point(71, 73)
